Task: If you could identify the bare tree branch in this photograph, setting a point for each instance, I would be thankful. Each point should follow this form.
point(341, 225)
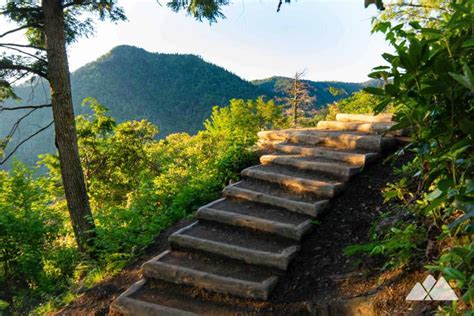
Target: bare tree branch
point(19, 77)
point(279, 5)
point(16, 124)
point(76, 2)
point(25, 107)
point(9, 66)
point(24, 141)
point(26, 26)
point(23, 52)
point(414, 5)
point(22, 45)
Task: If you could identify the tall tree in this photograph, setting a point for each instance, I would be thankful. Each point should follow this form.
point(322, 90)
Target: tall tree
point(48, 27)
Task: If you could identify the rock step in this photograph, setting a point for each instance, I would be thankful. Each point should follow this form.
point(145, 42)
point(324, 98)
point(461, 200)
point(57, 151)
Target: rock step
point(333, 139)
point(298, 181)
point(274, 195)
point(236, 243)
point(340, 170)
point(269, 219)
point(146, 298)
point(364, 127)
point(211, 273)
point(353, 157)
point(382, 117)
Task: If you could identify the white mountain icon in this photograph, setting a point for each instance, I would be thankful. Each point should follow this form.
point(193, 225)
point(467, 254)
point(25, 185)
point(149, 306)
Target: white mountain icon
point(432, 290)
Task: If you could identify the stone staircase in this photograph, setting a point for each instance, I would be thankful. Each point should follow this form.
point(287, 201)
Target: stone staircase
point(241, 244)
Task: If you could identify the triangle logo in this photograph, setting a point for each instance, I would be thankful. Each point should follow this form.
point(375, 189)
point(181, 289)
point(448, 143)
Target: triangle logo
point(432, 290)
point(442, 291)
point(417, 293)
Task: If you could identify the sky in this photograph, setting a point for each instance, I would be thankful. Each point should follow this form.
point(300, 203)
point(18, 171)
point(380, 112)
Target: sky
point(329, 39)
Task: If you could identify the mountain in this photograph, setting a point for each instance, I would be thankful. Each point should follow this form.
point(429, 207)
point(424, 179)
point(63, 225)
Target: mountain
point(317, 89)
point(173, 91)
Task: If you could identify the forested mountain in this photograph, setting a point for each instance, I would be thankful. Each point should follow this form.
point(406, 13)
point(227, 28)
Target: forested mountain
point(175, 92)
point(317, 89)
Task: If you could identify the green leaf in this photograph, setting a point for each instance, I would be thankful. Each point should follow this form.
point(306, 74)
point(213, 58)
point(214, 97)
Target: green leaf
point(466, 79)
point(432, 33)
point(388, 57)
point(434, 204)
point(375, 91)
point(468, 43)
point(434, 194)
point(381, 106)
point(453, 274)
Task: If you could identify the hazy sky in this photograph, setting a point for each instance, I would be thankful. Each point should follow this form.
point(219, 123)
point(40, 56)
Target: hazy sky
point(331, 39)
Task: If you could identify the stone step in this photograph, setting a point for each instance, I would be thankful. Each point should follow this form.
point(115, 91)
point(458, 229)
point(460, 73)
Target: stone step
point(274, 195)
point(382, 117)
point(364, 127)
point(353, 157)
point(298, 181)
point(236, 243)
point(340, 170)
point(333, 139)
point(147, 297)
point(211, 273)
point(269, 219)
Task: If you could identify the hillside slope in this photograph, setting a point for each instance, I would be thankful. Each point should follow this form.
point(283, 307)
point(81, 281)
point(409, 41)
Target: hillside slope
point(175, 92)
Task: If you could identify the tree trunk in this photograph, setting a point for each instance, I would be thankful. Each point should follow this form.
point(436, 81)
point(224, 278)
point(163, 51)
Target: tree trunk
point(65, 127)
point(295, 101)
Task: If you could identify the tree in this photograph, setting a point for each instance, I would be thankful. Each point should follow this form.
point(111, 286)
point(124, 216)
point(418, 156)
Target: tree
point(297, 97)
point(48, 28)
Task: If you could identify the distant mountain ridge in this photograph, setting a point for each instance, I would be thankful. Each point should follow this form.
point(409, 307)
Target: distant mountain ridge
point(317, 89)
point(173, 91)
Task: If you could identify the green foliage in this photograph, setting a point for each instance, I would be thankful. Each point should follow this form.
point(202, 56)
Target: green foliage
point(398, 244)
point(430, 83)
point(200, 9)
point(138, 186)
point(32, 255)
point(358, 103)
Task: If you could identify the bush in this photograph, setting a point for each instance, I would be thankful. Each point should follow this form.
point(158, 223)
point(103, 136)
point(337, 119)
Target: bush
point(31, 256)
point(430, 83)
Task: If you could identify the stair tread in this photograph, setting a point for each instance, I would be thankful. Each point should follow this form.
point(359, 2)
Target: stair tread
point(240, 237)
point(297, 174)
point(218, 266)
point(342, 150)
point(163, 298)
point(260, 210)
point(365, 118)
point(320, 160)
point(331, 138)
point(276, 190)
point(314, 131)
